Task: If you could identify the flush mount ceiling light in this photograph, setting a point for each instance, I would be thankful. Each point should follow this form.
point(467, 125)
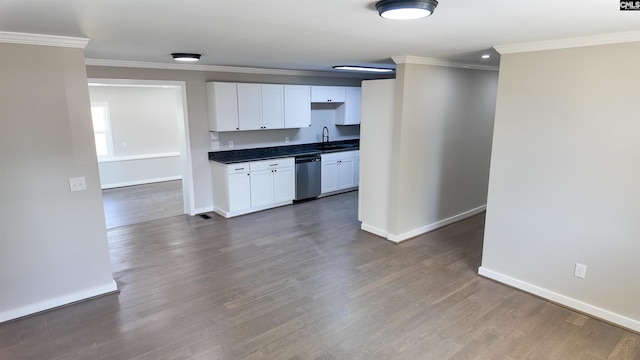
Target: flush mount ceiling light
point(363, 68)
point(186, 57)
point(486, 56)
point(405, 10)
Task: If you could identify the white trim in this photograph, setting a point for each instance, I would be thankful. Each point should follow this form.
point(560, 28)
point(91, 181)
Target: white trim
point(108, 132)
point(42, 39)
point(374, 230)
point(228, 214)
point(408, 59)
point(556, 44)
point(138, 157)
point(218, 68)
point(419, 231)
point(562, 299)
point(58, 301)
point(141, 182)
point(202, 210)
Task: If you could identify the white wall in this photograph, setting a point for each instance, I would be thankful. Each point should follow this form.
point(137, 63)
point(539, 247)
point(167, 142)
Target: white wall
point(137, 170)
point(439, 142)
point(565, 174)
point(144, 125)
point(53, 244)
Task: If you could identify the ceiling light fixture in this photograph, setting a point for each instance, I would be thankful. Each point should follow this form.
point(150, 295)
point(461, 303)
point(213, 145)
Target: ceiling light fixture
point(486, 56)
point(186, 57)
point(405, 10)
point(363, 68)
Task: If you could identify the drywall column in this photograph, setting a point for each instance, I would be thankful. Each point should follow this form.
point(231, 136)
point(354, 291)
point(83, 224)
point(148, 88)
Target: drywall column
point(53, 245)
point(564, 179)
point(439, 141)
point(376, 133)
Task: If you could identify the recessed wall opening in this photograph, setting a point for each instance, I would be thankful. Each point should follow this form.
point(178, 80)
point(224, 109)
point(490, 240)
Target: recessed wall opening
point(141, 143)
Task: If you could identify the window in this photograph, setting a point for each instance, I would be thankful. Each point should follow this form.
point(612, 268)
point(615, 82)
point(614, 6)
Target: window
point(102, 129)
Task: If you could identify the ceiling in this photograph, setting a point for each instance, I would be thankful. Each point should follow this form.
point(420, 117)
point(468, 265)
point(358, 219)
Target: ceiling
point(308, 35)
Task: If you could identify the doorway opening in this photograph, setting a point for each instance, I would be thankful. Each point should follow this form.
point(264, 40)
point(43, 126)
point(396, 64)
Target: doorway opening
point(142, 142)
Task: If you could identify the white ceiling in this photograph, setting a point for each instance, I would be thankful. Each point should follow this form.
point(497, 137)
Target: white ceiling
point(305, 34)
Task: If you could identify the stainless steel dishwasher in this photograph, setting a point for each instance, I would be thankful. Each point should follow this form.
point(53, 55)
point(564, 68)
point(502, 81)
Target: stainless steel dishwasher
point(308, 176)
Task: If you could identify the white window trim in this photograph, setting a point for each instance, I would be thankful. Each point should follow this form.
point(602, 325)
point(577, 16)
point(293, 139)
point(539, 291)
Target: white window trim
point(105, 105)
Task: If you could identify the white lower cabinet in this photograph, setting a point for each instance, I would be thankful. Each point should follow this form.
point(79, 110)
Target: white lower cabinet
point(338, 171)
point(356, 168)
point(261, 188)
point(239, 192)
point(284, 184)
point(247, 187)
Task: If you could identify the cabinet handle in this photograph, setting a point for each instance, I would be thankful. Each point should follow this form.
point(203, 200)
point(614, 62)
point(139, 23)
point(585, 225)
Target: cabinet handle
point(273, 165)
point(238, 169)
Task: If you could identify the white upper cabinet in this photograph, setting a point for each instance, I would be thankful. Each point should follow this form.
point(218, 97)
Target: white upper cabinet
point(326, 94)
point(249, 106)
point(272, 106)
point(297, 106)
point(349, 113)
point(260, 106)
point(243, 106)
point(222, 99)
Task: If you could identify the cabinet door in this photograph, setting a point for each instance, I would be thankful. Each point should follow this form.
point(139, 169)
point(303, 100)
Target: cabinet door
point(297, 106)
point(329, 176)
point(249, 106)
point(323, 94)
point(272, 106)
point(353, 104)
point(239, 192)
point(261, 188)
point(222, 101)
point(284, 184)
point(345, 174)
point(356, 171)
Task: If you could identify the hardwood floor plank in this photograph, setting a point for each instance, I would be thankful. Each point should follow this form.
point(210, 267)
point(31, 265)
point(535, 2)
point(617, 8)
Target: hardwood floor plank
point(304, 282)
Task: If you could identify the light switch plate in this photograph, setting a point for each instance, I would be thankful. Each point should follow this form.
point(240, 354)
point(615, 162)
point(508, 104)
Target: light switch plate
point(77, 184)
point(580, 271)
point(214, 135)
point(230, 144)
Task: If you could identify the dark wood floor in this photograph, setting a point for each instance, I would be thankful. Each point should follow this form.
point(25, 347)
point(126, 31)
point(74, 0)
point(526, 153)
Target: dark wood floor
point(137, 204)
point(303, 282)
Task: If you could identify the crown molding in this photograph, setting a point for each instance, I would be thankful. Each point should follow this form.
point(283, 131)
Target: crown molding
point(216, 68)
point(567, 43)
point(409, 59)
point(42, 39)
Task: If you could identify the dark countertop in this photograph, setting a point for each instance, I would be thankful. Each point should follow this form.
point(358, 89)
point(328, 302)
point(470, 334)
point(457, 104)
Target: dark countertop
point(273, 152)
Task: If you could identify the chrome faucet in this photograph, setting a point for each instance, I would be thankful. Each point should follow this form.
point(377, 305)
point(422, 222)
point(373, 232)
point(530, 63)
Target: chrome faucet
point(325, 138)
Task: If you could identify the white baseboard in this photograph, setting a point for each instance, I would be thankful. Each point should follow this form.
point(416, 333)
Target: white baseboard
point(202, 210)
point(374, 230)
point(425, 229)
point(229, 214)
point(569, 302)
point(57, 302)
point(140, 182)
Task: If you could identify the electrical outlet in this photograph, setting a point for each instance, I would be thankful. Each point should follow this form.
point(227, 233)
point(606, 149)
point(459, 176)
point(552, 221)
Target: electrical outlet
point(230, 144)
point(77, 184)
point(580, 271)
point(215, 145)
